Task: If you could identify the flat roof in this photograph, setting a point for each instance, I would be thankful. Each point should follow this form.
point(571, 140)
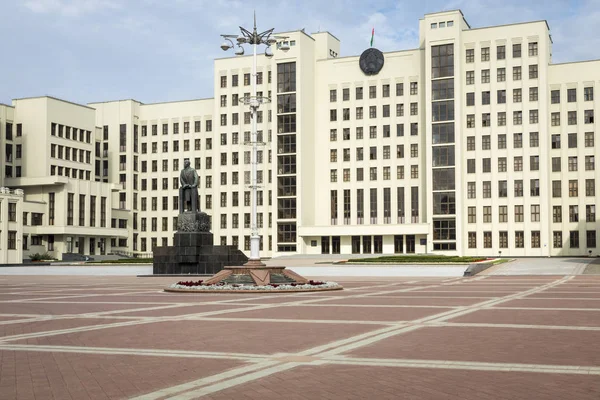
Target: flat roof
point(114, 101)
point(513, 24)
point(53, 98)
point(177, 101)
point(573, 62)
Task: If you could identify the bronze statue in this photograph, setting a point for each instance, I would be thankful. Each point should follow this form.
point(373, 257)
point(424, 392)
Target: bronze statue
point(188, 192)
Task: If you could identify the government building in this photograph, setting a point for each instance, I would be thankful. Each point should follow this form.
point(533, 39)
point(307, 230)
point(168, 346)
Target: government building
point(474, 143)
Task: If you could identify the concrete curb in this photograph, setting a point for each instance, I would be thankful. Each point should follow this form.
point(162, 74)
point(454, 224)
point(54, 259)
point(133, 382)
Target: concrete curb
point(474, 269)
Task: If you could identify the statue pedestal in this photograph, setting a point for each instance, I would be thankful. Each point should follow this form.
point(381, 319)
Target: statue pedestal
point(190, 221)
point(193, 250)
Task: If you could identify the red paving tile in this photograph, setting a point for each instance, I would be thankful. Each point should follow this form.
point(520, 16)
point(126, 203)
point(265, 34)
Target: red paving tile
point(532, 317)
point(181, 310)
point(506, 345)
point(163, 298)
point(245, 337)
point(44, 375)
point(270, 299)
point(52, 325)
point(548, 303)
point(358, 382)
point(337, 313)
point(423, 293)
point(563, 295)
point(20, 297)
point(468, 287)
point(381, 300)
point(74, 307)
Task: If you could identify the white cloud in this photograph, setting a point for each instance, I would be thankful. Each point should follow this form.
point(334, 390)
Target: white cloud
point(70, 8)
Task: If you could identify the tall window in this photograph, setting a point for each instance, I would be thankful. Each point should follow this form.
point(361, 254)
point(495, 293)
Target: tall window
point(70, 206)
point(103, 212)
point(82, 210)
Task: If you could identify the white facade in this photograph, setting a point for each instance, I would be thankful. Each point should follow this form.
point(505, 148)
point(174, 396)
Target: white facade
point(472, 144)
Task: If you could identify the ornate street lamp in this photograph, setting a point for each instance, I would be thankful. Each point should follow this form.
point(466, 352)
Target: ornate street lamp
point(255, 39)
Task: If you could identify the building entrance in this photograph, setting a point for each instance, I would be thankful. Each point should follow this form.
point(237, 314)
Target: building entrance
point(335, 245)
point(324, 244)
point(410, 244)
point(398, 244)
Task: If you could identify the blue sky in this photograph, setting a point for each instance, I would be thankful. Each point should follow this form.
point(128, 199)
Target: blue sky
point(163, 50)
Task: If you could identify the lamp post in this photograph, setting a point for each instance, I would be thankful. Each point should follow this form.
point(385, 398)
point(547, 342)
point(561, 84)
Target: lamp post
point(255, 39)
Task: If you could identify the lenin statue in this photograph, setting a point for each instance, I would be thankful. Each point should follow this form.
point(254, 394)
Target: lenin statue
point(188, 192)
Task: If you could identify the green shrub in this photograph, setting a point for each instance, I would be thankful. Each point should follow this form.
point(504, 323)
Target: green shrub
point(125, 261)
point(417, 259)
point(40, 257)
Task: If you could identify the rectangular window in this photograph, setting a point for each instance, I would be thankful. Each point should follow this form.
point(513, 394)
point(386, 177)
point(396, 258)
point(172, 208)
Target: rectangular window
point(470, 78)
point(590, 187)
point(533, 49)
point(487, 240)
point(533, 71)
point(519, 213)
point(535, 239)
point(590, 239)
point(501, 74)
point(470, 56)
point(533, 94)
point(485, 76)
point(519, 239)
point(501, 52)
point(557, 214)
point(516, 50)
point(70, 208)
point(414, 85)
point(574, 239)
point(516, 73)
point(517, 95)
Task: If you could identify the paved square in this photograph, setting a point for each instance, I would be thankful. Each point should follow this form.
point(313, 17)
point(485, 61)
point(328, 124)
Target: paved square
point(485, 337)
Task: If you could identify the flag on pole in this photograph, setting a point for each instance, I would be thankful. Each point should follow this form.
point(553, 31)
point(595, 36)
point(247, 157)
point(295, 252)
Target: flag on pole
point(372, 36)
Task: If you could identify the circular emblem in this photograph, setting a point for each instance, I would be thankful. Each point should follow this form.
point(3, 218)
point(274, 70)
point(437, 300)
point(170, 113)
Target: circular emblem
point(371, 61)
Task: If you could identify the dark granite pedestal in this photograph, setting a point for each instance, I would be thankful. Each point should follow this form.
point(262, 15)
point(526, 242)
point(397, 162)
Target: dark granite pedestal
point(195, 253)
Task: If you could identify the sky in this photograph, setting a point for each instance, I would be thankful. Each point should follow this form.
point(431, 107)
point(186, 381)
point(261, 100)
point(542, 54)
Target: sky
point(163, 50)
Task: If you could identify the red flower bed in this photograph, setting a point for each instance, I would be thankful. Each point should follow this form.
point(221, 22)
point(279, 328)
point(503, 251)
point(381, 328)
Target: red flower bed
point(199, 283)
point(190, 283)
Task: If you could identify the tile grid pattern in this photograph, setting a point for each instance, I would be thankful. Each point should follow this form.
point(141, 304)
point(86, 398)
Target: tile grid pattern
point(222, 346)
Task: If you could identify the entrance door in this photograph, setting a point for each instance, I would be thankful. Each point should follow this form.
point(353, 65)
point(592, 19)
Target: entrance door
point(80, 244)
point(366, 244)
point(378, 244)
point(335, 245)
point(410, 244)
point(324, 244)
point(92, 246)
point(355, 244)
point(398, 244)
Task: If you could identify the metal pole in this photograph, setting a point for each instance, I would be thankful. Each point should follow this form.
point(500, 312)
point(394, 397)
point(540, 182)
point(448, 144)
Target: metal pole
point(254, 238)
point(254, 38)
